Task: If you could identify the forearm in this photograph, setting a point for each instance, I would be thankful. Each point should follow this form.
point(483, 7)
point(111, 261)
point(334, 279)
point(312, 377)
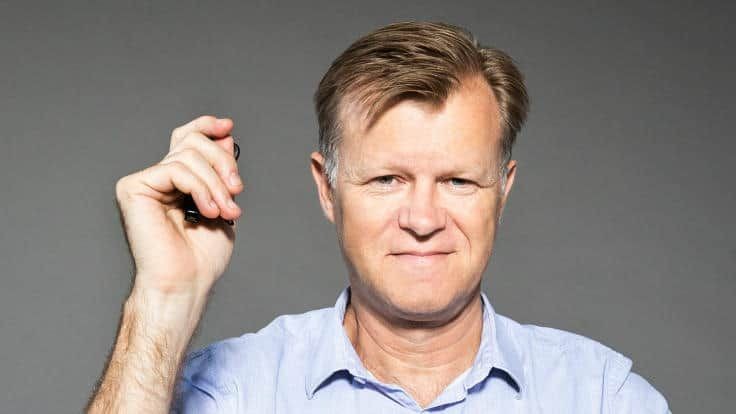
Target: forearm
point(152, 340)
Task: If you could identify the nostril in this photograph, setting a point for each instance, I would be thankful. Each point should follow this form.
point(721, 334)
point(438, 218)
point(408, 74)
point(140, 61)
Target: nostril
point(422, 223)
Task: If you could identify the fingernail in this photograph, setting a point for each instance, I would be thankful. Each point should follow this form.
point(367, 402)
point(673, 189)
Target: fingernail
point(236, 148)
point(212, 204)
point(234, 179)
point(231, 204)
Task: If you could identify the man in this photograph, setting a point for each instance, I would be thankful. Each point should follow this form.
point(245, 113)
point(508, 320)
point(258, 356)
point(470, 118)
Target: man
point(417, 122)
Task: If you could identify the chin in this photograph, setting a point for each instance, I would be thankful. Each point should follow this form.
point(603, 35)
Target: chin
point(427, 311)
point(430, 293)
point(423, 303)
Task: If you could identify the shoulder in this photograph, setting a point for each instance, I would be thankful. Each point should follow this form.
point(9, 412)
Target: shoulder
point(539, 342)
point(582, 362)
point(637, 395)
point(219, 367)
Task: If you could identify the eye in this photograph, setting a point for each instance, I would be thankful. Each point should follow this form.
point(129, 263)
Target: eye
point(461, 185)
point(458, 182)
point(385, 179)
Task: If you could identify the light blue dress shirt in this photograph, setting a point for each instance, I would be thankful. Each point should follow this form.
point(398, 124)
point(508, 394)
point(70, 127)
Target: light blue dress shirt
point(306, 364)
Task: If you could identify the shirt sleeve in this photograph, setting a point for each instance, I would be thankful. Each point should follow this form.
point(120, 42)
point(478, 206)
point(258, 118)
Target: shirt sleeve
point(189, 398)
point(637, 396)
point(203, 387)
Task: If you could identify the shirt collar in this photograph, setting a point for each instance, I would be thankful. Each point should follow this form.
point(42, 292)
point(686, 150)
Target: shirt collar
point(499, 352)
point(333, 352)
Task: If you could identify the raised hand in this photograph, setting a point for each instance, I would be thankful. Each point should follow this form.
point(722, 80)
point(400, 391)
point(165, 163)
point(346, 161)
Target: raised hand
point(172, 255)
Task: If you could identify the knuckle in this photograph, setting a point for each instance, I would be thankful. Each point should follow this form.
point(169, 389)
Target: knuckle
point(190, 157)
point(179, 133)
point(231, 164)
point(121, 187)
point(192, 139)
point(177, 166)
point(218, 187)
point(176, 135)
point(188, 153)
point(168, 158)
point(206, 119)
point(224, 195)
point(226, 168)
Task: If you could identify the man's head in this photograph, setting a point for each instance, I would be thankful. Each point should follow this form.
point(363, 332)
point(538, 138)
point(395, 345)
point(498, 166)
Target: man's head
point(416, 124)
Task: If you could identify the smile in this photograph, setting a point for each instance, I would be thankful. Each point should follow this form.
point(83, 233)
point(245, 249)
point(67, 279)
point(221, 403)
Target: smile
point(419, 253)
point(421, 258)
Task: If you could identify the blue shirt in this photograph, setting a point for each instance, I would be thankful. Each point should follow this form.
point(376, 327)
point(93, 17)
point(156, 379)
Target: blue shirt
point(306, 364)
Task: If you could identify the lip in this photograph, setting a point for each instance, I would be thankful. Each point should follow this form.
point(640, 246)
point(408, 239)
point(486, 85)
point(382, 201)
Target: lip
point(420, 253)
point(421, 259)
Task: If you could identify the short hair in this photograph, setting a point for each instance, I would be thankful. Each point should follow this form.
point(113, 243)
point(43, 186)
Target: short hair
point(413, 60)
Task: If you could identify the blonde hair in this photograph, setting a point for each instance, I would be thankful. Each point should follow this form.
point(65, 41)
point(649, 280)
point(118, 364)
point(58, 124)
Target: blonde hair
point(417, 60)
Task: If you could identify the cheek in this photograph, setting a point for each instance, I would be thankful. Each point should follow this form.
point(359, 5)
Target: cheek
point(365, 225)
point(477, 224)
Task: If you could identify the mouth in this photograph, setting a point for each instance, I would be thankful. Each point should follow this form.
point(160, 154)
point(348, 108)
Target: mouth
point(420, 253)
point(421, 259)
point(425, 262)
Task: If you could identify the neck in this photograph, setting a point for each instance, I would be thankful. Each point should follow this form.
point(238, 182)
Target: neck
point(422, 358)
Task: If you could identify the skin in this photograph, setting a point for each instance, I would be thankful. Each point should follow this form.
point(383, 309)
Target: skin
point(421, 180)
point(416, 206)
point(176, 263)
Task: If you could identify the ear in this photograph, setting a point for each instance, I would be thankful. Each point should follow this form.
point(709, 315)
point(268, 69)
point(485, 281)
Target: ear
point(324, 191)
point(510, 174)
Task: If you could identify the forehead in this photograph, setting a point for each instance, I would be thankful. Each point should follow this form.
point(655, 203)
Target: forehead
point(463, 132)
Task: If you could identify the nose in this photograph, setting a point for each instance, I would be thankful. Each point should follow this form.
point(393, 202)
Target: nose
point(421, 215)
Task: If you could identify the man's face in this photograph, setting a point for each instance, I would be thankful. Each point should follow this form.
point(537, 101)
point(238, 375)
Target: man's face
point(417, 201)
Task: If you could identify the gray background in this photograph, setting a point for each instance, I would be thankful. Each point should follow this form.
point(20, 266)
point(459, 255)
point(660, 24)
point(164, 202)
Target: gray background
point(620, 225)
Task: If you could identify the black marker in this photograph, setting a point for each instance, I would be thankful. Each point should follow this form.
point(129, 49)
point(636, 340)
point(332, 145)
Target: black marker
point(191, 213)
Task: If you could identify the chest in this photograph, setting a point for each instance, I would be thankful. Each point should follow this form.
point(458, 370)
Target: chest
point(347, 395)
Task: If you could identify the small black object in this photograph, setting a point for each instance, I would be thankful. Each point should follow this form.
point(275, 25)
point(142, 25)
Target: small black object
point(191, 213)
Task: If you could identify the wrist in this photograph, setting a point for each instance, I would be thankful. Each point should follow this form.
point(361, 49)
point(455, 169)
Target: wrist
point(172, 317)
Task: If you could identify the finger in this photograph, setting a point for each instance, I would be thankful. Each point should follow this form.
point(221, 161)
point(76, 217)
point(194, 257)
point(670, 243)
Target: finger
point(202, 168)
point(219, 158)
point(228, 144)
point(205, 124)
point(176, 176)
